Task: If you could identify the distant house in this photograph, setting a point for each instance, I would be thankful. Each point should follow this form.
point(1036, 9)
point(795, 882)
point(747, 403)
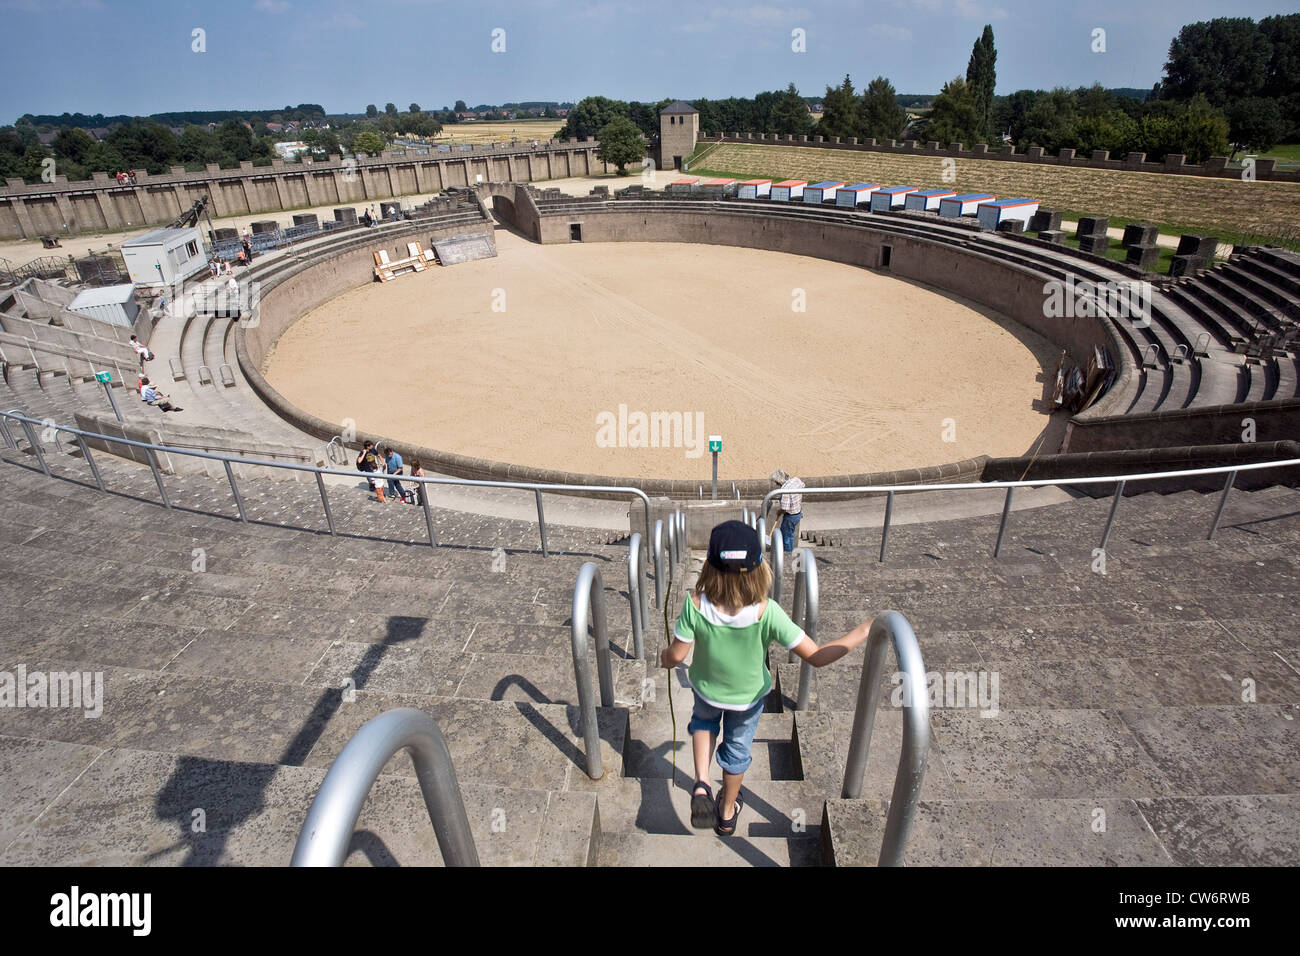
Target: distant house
point(99, 132)
point(291, 150)
point(45, 139)
point(562, 113)
point(275, 127)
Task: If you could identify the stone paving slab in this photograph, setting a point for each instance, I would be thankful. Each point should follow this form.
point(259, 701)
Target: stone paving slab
point(134, 808)
point(997, 833)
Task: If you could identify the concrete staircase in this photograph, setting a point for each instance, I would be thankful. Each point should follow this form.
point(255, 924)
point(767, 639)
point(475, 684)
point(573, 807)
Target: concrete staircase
point(238, 659)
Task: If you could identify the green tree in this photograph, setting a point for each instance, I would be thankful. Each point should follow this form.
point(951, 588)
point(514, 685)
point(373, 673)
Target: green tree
point(460, 107)
point(881, 116)
point(1202, 131)
point(1255, 124)
point(236, 140)
point(390, 109)
point(1224, 60)
point(621, 143)
point(593, 114)
point(1049, 121)
point(981, 77)
point(414, 108)
point(368, 142)
point(372, 111)
point(839, 111)
point(954, 116)
point(790, 113)
point(73, 144)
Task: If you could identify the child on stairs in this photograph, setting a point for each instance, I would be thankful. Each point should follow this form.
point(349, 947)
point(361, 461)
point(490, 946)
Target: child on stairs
point(731, 623)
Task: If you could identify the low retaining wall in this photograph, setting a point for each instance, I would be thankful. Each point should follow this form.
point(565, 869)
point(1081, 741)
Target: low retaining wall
point(1136, 461)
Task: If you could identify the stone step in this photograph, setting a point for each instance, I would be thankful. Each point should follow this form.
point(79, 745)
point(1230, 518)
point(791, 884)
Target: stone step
point(251, 813)
point(504, 743)
point(1164, 831)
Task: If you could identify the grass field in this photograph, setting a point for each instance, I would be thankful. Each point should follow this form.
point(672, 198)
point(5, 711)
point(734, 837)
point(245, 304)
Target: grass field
point(1233, 210)
point(497, 131)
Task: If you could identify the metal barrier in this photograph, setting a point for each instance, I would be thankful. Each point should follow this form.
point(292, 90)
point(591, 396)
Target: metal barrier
point(681, 536)
point(892, 628)
point(536, 487)
point(656, 549)
point(778, 563)
point(589, 603)
point(1229, 470)
point(1154, 349)
point(332, 818)
point(636, 596)
point(177, 369)
point(804, 612)
point(199, 373)
point(227, 375)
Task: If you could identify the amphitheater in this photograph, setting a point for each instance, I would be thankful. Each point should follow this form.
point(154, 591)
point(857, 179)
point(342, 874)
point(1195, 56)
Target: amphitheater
point(250, 620)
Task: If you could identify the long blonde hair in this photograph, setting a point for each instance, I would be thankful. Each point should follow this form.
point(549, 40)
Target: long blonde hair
point(732, 591)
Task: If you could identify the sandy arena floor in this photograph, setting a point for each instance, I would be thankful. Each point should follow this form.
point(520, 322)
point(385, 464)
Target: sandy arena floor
point(864, 379)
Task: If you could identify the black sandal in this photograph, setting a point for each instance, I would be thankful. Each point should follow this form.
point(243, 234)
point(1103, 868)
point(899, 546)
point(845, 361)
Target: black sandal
point(728, 827)
point(703, 810)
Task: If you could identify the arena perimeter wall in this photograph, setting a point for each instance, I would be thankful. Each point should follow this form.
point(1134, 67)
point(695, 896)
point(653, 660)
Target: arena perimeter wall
point(997, 284)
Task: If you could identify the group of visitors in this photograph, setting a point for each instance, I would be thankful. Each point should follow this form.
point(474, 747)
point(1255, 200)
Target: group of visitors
point(127, 178)
point(151, 396)
point(380, 460)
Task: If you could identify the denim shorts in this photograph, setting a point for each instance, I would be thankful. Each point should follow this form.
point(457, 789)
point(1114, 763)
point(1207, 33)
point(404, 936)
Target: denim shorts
point(738, 729)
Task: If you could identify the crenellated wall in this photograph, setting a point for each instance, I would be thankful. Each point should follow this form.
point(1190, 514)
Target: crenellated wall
point(1176, 163)
point(63, 208)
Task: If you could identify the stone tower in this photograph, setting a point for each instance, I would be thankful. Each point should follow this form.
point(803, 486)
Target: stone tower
point(679, 129)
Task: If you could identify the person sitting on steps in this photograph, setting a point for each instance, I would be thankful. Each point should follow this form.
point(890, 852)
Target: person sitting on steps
point(151, 396)
point(730, 622)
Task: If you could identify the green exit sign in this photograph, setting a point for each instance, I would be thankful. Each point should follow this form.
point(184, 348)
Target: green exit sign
point(104, 377)
point(715, 443)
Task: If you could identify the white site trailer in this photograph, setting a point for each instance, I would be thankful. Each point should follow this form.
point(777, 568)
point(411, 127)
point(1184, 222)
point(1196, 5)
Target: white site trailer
point(164, 256)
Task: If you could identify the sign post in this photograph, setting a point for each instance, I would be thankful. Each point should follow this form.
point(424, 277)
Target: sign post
point(106, 379)
point(715, 446)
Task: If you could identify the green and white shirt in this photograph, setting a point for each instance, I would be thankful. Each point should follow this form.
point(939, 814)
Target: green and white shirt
point(729, 669)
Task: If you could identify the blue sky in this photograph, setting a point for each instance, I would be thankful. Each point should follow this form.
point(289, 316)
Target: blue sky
point(115, 56)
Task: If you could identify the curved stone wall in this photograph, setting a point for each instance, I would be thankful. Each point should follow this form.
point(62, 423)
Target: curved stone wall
point(994, 283)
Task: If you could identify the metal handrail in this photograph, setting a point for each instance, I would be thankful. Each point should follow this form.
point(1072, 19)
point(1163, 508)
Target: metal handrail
point(672, 544)
point(1154, 349)
point(656, 548)
point(589, 603)
point(199, 373)
point(1230, 470)
point(333, 816)
point(227, 380)
point(319, 472)
point(636, 593)
point(681, 536)
point(804, 612)
point(777, 546)
point(892, 628)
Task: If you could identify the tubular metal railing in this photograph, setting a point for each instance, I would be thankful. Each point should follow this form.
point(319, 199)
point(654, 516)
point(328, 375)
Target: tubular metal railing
point(151, 451)
point(1121, 481)
point(636, 593)
point(332, 818)
point(656, 550)
point(589, 605)
point(804, 612)
point(777, 547)
point(892, 628)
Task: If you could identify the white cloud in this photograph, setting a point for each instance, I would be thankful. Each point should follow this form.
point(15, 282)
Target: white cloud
point(734, 18)
point(889, 32)
point(270, 6)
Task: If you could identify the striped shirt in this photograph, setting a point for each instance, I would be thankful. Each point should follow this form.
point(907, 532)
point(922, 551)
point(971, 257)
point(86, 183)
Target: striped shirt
point(792, 503)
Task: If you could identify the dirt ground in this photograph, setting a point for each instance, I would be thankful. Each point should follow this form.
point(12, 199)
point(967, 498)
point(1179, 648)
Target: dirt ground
point(551, 356)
